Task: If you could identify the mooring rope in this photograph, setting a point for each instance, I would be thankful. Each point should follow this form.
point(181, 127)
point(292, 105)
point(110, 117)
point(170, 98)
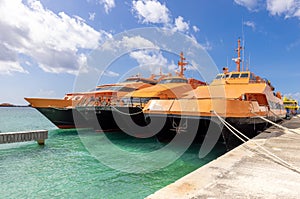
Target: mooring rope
point(278, 125)
point(128, 114)
point(266, 152)
point(277, 115)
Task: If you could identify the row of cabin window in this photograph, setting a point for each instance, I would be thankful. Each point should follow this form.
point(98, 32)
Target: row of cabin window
point(234, 75)
point(274, 105)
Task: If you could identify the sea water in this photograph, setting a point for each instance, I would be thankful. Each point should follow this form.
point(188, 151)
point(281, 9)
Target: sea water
point(64, 168)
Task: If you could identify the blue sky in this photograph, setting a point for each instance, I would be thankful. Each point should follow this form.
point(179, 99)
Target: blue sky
point(43, 44)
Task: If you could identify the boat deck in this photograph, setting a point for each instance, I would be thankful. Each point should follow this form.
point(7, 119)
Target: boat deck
point(246, 172)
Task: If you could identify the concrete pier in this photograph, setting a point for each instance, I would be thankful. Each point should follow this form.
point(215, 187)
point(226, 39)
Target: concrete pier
point(246, 171)
point(37, 135)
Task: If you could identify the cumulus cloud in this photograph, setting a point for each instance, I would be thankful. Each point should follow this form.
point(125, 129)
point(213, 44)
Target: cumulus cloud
point(293, 45)
point(52, 40)
point(251, 5)
point(92, 16)
point(110, 73)
point(154, 61)
point(286, 8)
point(150, 60)
point(151, 11)
point(250, 24)
point(207, 45)
point(128, 43)
point(108, 5)
point(196, 29)
point(9, 67)
point(295, 96)
point(46, 93)
point(289, 8)
point(181, 25)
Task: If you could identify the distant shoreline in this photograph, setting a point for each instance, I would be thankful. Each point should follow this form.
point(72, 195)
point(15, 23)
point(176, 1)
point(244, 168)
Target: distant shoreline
point(12, 105)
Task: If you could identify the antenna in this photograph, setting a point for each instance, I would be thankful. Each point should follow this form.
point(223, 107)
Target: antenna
point(182, 65)
point(227, 64)
point(248, 63)
point(238, 59)
point(243, 38)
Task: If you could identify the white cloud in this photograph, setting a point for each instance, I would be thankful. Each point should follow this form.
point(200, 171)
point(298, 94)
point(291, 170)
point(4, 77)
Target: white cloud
point(172, 67)
point(297, 13)
point(108, 5)
point(196, 29)
point(155, 62)
point(250, 24)
point(111, 73)
point(52, 41)
point(128, 43)
point(206, 45)
point(151, 11)
point(251, 5)
point(181, 25)
point(45, 93)
point(193, 66)
point(293, 45)
point(289, 8)
point(150, 60)
point(92, 16)
point(9, 67)
point(295, 96)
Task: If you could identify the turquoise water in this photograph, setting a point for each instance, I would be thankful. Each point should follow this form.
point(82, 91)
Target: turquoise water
point(64, 168)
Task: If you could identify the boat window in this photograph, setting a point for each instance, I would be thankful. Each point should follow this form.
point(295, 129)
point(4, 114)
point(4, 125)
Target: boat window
point(102, 88)
point(140, 100)
point(116, 88)
point(77, 98)
point(244, 75)
point(136, 100)
point(252, 77)
point(173, 80)
point(147, 81)
point(227, 75)
point(127, 89)
point(132, 80)
point(235, 75)
point(219, 76)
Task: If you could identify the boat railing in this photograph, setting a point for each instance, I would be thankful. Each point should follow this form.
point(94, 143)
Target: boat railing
point(104, 100)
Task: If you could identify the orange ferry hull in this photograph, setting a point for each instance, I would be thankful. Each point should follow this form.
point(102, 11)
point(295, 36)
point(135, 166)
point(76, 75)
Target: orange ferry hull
point(64, 118)
point(59, 112)
point(196, 116)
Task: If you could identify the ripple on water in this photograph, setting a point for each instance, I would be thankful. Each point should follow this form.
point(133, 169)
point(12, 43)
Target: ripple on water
point(63, 168)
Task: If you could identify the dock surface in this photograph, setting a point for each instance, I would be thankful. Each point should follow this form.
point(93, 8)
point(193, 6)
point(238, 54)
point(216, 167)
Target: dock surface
point(246, 171)
point(23, 136)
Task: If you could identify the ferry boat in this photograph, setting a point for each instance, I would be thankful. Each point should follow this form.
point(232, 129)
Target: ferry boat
point(291, 106)
point(239, 97)
point(62, 112)
point(127, 112)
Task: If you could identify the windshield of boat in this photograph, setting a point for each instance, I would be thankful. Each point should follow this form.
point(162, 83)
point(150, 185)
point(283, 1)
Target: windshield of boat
point(116, 88)
point(173, 80)
point(219, 76)
point(136, 100)
point(233, 75)
point(244, 75)
point(140, 80)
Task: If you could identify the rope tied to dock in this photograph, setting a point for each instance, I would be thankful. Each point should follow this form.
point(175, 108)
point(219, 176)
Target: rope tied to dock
point(277, 125)
point(128, 114)
point(264, 151)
